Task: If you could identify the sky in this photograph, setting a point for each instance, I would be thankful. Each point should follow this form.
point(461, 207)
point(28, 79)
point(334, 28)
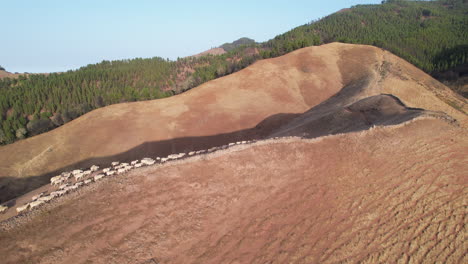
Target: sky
point(60, 35)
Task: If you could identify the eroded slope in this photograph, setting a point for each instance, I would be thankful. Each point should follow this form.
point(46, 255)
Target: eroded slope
point(385, 195)
point(220, 111)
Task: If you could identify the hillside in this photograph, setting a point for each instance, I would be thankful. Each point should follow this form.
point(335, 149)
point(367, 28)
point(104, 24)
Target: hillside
point(237, 43)
point(388, 195)
point(252, 104)
point(431, 35)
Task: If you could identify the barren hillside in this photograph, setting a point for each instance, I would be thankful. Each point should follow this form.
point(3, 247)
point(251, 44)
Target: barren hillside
point(249, 104)
point(387, 195)
point(213, 51)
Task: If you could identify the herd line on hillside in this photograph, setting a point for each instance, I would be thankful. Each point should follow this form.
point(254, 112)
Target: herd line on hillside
point(70, 181)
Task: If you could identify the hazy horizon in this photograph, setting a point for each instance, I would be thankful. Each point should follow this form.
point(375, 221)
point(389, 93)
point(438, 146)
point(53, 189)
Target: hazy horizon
point(55, 36)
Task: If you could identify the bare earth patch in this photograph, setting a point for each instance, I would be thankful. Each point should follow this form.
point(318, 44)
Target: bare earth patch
point(391, 194)
point(287, 85)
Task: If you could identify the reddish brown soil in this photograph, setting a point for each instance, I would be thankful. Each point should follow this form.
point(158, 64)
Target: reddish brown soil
point(213, 51)
point(291, 84)
point(392, 194)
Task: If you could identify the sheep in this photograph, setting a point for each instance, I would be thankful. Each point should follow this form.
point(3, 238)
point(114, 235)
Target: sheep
point(59, 182)
point(243, 142)
point(71, 188)
point(88, 181)
point(79, 176)
point(35, 204)
point(94, 168)
point(98, 177)
point(148, 161)
point(115, 163)
point(231, 144)
point(109, 173)
point(3, 209)
point(46, 198)
point(171, 156)
point(22, 208)
point(134, 162)
point(58, 193)
point(55, 179)
point(158, 158)
point(106, 169)
point(124, 164)
point(79, 184)
point(138, 165)
point(164, 159)
point(122, 170)
point(191, 153)
point(66, 174)
point(35, 197)
point(75, 172)
point(87, 172)
point(63, 186)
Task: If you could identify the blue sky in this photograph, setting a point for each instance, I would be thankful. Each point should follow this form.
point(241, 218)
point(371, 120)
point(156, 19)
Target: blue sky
point(53, 35)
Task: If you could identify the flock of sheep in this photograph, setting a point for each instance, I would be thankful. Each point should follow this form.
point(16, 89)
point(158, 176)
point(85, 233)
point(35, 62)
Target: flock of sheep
point(73, 180)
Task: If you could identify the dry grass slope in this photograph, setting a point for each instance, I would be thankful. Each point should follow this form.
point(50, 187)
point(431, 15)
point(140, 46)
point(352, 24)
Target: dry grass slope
point(291, 84)
point(387, 195)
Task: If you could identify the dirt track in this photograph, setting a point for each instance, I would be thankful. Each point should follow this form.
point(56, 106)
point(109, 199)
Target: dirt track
point(386, 195)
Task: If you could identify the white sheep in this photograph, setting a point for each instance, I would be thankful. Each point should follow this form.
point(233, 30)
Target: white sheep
point(63, 186)
point(79, 176)
point(191, 153)
point(71, 188)
point(164, 159)
point(94, 168)
point(98, 177)
point(88, 181)
point(109, 173)
point(115, 163)
point(3, 209)
point(46, 198)
point(158, 158)
point(231, 144)
point(138, 165)
point(66, 174)
point(106, 169)
point(55, 179)
point(35, 204)
point(124, 164)
point(35, 197)
point(122, 170)
point(58, 193)
point(148, 161)
point(75, 172)
point(134, 162)
point(59, 181)
point(87, 172)
point(22, 208)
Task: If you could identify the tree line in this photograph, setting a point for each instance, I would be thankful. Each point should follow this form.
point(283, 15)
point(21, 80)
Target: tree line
point(431, 35)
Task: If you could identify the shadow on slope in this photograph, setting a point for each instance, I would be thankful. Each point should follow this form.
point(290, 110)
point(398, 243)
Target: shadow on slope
point(331, 117)
point(11, 187)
